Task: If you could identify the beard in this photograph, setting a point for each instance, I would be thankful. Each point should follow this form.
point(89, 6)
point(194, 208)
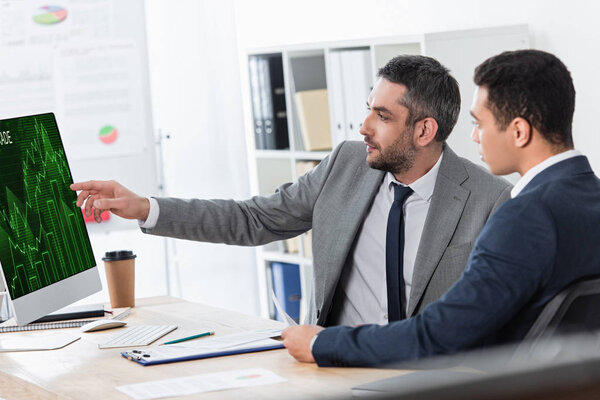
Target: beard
point(398, 157)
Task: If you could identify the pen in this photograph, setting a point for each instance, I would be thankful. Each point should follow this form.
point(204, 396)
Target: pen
point(188, 338)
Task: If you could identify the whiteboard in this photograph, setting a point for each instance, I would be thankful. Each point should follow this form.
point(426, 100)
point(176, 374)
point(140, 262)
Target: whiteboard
point(86, 61)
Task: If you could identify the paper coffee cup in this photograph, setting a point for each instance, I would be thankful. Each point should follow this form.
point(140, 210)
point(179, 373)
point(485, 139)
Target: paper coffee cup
point(120, 277)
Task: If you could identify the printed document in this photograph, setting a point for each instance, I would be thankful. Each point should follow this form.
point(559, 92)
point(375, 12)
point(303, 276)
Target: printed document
point(31, 342)
point(217, 342)
point(281, 312)
point(200, 383)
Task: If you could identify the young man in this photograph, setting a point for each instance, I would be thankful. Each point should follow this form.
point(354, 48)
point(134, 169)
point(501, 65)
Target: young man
point(533, 246)
point(346, 201)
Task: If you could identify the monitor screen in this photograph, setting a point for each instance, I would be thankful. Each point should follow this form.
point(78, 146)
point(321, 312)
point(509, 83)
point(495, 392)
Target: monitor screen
point(45, 252)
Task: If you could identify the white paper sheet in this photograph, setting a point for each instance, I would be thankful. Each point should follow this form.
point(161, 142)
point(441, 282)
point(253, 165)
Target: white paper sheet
point(218, 342)
point(31, 342)
point(200, 383)
point(281, 312)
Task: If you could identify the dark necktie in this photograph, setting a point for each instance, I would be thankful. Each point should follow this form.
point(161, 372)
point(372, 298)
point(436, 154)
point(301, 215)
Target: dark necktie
point(394, 251)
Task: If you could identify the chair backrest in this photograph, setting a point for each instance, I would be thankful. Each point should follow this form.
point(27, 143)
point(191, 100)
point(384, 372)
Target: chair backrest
point(575, 309)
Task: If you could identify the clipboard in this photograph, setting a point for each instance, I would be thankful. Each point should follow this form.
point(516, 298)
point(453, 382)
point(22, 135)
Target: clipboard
point(174, 353)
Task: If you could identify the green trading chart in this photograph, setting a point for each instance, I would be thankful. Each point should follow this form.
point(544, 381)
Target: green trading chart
point(43, 238)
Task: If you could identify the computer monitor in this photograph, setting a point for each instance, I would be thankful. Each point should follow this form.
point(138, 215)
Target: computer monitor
point(45, 252)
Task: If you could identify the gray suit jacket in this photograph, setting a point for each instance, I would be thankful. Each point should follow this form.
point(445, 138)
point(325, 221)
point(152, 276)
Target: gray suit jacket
point(333, 199)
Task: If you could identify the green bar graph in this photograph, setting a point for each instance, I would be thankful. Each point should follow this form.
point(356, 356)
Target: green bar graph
point(43, 238)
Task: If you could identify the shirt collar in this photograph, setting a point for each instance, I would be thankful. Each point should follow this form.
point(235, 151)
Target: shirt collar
point(529, 175)
point(423, 187)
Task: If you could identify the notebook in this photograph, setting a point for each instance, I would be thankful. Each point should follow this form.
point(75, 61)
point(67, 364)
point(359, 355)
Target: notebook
point(11, 325)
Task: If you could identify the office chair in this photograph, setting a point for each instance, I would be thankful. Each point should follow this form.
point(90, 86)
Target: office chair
point(559, 357)
point(574, 309)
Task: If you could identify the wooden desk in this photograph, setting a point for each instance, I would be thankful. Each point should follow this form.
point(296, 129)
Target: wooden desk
point(82, 371)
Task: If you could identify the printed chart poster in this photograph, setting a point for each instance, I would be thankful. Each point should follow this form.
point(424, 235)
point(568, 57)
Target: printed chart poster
point(26, 81)
point(99, 99)
point(29, 34)
point(43, 238)
point(34, 23)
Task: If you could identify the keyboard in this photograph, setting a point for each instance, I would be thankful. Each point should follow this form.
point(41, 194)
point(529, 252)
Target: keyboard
point(141, 335)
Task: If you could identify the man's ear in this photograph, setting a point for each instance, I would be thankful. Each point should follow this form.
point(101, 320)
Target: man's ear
point(521, 133)
point(425, 131)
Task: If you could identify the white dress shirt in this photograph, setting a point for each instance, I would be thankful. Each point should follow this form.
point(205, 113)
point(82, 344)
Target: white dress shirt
point(150, 222)
point(364, 296)
point(529, 175)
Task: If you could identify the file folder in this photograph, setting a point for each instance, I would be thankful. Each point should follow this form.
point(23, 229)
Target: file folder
point(287, 288)
point(268, 101)
point(313, 113)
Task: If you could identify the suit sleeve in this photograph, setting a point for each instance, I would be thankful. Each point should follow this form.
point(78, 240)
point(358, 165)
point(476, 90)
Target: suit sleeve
point(259, 220)
point(512, 259)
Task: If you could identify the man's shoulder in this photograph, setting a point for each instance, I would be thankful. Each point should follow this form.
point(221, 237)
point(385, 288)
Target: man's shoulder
point(478, 173)
point(349, 153)
point(562, 193)
point(348, 161)
point(351, 148)
point(471, 174)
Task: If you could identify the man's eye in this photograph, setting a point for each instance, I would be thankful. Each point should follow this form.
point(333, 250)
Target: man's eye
point(382, 117)
point(475, 123)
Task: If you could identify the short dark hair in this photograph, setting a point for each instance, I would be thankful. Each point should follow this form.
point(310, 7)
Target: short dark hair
point(431, 91)
point(533, 85)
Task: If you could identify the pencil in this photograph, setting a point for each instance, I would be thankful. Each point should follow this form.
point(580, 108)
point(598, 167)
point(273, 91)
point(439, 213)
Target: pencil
point(183, 339)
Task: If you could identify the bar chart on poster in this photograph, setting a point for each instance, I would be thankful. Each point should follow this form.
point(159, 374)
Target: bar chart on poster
point(85, 61)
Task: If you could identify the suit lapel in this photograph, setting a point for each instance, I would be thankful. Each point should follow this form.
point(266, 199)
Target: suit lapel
point(447, 204)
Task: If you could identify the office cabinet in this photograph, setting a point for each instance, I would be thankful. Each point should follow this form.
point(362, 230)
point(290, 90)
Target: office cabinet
point(323, 102)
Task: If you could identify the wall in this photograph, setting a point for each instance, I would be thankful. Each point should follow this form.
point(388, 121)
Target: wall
point(568, 29)
point(195, 87)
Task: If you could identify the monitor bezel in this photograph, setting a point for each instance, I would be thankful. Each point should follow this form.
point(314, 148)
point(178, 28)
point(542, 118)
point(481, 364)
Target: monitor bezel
point(34, 305)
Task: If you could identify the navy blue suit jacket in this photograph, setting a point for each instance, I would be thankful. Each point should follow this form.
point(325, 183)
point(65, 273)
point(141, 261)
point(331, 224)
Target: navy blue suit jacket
point(532, 247)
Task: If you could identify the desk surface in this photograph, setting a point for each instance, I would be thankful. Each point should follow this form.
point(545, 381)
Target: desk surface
point(82, 371)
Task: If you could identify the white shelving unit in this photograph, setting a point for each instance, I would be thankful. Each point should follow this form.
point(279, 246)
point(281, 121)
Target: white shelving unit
point(341, 68)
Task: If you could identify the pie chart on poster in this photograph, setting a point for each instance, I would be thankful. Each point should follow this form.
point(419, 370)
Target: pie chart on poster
point(108, 134)
point(48, 15)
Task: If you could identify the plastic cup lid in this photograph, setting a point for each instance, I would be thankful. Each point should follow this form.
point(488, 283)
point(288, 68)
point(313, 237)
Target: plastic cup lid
point(118, 255)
